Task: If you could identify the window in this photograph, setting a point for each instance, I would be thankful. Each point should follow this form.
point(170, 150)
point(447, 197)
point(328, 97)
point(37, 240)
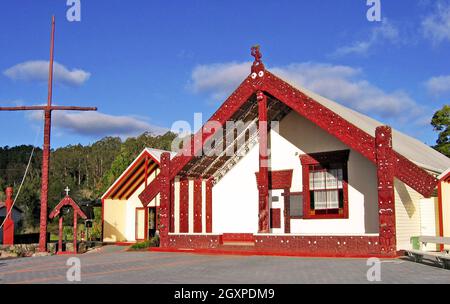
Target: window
point(296, 205)
point(325, 184)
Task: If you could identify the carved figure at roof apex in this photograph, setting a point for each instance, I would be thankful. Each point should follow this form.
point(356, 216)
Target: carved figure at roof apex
point(258, 66)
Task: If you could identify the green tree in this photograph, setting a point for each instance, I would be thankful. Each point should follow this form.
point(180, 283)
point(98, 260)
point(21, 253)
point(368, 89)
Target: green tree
point(441, 124)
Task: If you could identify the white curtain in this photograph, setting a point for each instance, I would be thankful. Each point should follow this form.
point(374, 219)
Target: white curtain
point(326, 185)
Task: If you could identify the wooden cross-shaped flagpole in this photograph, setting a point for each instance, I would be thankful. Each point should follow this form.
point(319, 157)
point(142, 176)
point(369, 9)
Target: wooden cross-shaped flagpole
point(46, 148)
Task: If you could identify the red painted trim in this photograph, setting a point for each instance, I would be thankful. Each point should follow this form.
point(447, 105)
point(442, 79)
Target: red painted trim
point(145, 171)
point(441, 214)
point(287, 211)
point(198, 205)
point(208, 209)
point(445, 178)
point(386, 196)
point(172, 206)
point(136, 163)
point(184, 205)
point(275, 218)
point(323, 158)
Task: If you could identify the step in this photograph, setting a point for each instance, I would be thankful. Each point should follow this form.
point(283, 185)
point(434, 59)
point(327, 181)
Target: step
point(247, 238)
point(236, 243)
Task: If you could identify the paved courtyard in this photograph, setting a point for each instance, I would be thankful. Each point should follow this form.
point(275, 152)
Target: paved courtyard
point(114, 265)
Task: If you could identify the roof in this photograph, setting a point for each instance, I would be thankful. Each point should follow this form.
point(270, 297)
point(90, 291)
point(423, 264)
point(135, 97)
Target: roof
point(416, 151)
point(2, 205)
point(444, 176)
point(67, 201)
point(415, 163)
point(127, 183)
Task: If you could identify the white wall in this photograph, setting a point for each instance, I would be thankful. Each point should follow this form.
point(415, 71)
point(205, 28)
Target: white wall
point(429, 220)
point(407, 214)
point(235, 197)
point(121, 215)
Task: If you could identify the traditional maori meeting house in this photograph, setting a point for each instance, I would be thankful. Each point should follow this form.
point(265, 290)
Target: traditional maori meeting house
point(323, 181)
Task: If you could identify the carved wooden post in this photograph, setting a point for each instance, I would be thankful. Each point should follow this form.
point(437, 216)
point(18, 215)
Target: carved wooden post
point(8, 227)
point(75, 217)
point(60, 240)
point(208, 207)
point(263, 184)
point(172, 206)
point(164, 204)
point(198, 210)
point(386, 196)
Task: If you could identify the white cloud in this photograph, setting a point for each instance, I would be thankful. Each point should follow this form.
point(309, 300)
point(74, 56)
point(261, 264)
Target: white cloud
point(218, 80)
point(436, 26)
point(438, 85)
point(37, 70)
point(386, 31)
point(99, 124)
point(344, 84)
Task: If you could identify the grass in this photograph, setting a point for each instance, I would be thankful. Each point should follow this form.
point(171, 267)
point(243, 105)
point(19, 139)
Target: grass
point(153, 242)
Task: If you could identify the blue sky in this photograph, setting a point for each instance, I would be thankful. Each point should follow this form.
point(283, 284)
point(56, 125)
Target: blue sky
point(146, 64)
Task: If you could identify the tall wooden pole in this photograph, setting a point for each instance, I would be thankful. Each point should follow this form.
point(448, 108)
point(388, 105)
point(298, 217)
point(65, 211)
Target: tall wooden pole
point(46, 148)
point(47, 132)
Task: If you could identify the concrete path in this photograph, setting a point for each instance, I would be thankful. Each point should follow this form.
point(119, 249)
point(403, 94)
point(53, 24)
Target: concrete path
point(113, 264)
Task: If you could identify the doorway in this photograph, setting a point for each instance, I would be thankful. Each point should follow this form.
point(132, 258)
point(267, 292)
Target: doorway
point(152, 222)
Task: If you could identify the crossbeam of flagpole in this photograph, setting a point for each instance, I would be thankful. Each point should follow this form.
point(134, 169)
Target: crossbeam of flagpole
point(47, 108)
